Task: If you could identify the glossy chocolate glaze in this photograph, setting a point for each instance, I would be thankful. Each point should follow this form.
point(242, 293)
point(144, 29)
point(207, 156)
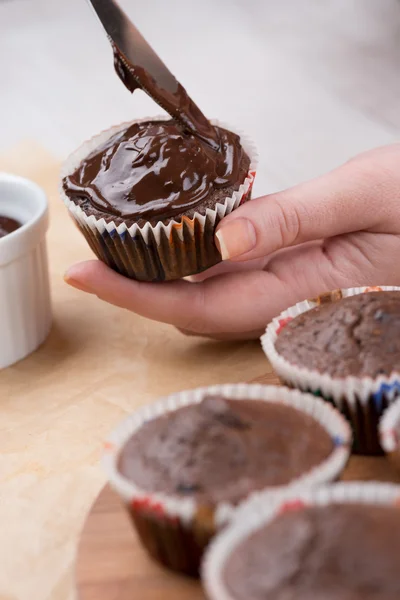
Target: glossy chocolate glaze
point(153, 169)
point(157, 169)
point(8, 225)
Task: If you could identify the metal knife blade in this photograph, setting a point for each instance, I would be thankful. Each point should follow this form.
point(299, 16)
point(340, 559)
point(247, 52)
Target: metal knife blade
point(136, 60)
point(128, 39)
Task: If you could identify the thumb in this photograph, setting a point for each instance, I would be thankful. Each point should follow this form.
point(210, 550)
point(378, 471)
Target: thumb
point(360, 195)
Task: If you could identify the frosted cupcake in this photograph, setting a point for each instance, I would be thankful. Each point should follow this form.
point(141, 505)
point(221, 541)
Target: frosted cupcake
point(148, 196)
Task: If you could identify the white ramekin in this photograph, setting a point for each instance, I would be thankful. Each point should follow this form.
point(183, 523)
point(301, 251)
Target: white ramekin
point(25, 310)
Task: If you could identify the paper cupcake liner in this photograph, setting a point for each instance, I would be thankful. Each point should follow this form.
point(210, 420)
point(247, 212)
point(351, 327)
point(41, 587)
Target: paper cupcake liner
point(180, 247)
point(260, 511)
point(176, 530)
point(361, 399)
point(389, 433)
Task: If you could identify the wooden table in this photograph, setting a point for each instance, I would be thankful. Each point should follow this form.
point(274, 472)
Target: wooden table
point(57, 406)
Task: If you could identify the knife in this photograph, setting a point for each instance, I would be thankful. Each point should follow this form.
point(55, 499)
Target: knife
point(138, 66)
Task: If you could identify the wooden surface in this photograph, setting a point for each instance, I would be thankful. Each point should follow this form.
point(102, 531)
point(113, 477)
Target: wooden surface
point(313, 82)
point(57, 406)
point(112, 565)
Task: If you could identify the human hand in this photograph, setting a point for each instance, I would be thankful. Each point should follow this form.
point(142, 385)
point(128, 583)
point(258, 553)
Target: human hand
point(339, 230)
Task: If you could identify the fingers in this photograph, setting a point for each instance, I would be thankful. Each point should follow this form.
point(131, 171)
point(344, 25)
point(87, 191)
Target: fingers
point(351, 260)
point(238, 305)
point(232, 302)
point(169, 302)
point(229, 267)
point(363, 194)
point(227, 306)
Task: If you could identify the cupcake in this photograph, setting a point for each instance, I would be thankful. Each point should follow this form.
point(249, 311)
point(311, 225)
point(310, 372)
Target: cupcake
point(389, 433)
point(344, 346)
point(148, 196)
point(339, 542)
point(182, 465)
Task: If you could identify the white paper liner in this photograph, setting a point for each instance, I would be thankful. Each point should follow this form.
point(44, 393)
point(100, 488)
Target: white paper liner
point(185, 508)
point(148, 230)
point(351, 388)
point(388, 427)
point(257, 512)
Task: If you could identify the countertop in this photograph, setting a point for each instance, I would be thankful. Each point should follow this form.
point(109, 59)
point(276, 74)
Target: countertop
point(57, 406)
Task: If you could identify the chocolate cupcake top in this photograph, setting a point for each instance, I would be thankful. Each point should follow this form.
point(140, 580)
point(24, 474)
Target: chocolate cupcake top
point(156, 170)
point(333, 552)
point(8, 225)
point(358, 335)
point(220, 450)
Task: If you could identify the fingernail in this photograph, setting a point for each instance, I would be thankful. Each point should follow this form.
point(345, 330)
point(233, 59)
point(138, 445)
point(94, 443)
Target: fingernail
point(235, 238)
point(68, 278)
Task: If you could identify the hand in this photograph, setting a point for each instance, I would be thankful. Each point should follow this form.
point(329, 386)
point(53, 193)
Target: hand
point(339, 230)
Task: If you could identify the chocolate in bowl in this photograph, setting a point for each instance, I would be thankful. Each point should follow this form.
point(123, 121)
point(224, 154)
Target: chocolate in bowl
point(8, 225)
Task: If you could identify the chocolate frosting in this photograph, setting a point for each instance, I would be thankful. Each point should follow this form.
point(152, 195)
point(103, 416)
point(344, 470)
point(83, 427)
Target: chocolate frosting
point(154, 169)
point(8, 225)
point(221, 449)
point(358, 335)
point(146, 75)
point(335, 552)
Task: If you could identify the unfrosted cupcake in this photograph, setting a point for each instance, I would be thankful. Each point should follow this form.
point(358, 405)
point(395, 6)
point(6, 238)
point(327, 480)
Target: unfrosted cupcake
point(339, 542)
point(184, 464)
point(344, 346)
point(148, 196)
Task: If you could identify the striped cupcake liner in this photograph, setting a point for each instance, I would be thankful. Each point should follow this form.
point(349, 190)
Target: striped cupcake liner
point(176, 530)
point(165, 251)
point(259, 511)
point(361, 399)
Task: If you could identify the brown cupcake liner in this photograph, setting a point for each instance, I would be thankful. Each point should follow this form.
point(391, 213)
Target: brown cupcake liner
point(175, 530)
point(258, 512)
point(361, 399)
point(162, 252)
